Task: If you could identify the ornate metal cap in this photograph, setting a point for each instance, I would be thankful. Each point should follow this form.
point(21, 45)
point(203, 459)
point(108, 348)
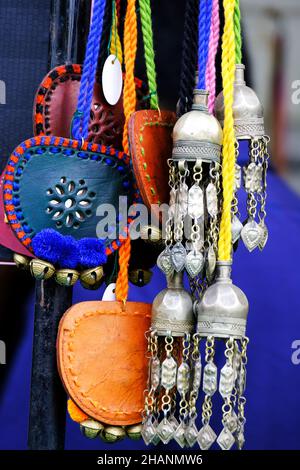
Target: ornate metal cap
point(247, 109)
point(223, 310)
point(197, 134)
point(172, 309)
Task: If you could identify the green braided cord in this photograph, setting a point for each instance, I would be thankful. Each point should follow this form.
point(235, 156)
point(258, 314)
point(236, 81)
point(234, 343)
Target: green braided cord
point(237, 32)
point(146, 21)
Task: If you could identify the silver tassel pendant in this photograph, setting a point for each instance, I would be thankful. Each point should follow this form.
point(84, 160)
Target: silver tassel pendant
point(222, 315)
point(249, 126)
point(169, 365)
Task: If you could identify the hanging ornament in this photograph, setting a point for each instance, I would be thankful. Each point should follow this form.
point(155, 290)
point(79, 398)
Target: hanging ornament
point(223, 308)
point(222, 314)
point(248, 126)
point(171, 326)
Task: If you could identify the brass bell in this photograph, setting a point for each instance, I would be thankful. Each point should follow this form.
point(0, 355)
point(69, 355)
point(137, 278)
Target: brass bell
point(21, 261)
point(66, 277)
point(92, 278)
point(140, 277)
point(41, 269)
point(134, 432)
point(247, 109)
point(113, 434)
point(91, 428)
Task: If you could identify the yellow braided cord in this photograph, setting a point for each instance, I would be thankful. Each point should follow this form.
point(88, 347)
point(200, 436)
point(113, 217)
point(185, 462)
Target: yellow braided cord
point(130, 47)
point(228, 158)
point(115, 43)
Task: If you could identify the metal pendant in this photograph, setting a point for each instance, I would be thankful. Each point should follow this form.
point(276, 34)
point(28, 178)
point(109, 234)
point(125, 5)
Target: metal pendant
point(264, 236)
point(253, 177)
point(172, 203)
point(237, 177)
point(155, 373)
point(179, 435)
point(178, 256)
point(210, 379)
point(183, 196)
point(210, 262)
point(165, 431)
point(191, 433)
point(251, 235)
point(164, 262)
point(195, 202)
point(168, 373)
point(194, 263)
point(225, 439)
point(206, 437)
point(183, 378)
point(236, 228)
point(212, 200)
point(226, 381)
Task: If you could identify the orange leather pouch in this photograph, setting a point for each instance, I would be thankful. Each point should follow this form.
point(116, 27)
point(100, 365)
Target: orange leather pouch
point(150, 136)
point(101, 355)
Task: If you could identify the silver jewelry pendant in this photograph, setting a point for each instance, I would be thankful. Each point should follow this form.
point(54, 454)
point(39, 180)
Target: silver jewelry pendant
point(164, 262)
point(237, 177)
point(191, 433)
point(236, 228)
point(264, 236)
point(253, 177)
point(178, 256)
point(251, 234)
point(211, 261)
point(194, 263)
point(183, 198)
point(206, 437)
point(212, 200)
point(165, 431)
point(225, 439)
point(195, 202)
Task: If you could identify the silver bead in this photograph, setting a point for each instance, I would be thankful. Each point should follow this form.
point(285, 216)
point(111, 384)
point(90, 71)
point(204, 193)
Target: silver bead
point(172, 309)
point(197, 134)
point(247, 109)
point(223, 310)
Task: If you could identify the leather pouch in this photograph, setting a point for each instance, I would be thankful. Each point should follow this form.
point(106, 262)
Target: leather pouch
point(101, 355)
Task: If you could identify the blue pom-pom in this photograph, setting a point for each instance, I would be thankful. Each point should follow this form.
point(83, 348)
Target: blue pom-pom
point(91, 252)
point(48, 245)
point(69, 256)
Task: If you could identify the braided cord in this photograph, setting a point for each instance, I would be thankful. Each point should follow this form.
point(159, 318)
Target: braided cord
point(203, 40)
point(82, 114)
point(115, 42)
point(189, 56)
point(146, 21)
point(106, 32)
point(212, 52)
point(130, 48)
point(228, 160)
point(129, 104)
point(237, 32)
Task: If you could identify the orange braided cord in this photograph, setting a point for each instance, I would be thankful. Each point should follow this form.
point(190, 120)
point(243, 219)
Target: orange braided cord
point(122, 281)
point(129, 104)
point(130, 47)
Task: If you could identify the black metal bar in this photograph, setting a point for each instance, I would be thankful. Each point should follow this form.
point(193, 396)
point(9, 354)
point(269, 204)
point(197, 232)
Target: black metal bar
point(48, 398)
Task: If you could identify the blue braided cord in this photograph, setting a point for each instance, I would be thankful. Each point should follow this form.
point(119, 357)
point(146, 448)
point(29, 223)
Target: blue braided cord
point(82, 115)
point(204, 21)
point(207, 33)
point(90, 90)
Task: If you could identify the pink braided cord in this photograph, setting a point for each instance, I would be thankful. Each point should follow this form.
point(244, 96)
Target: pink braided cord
point(212, 52)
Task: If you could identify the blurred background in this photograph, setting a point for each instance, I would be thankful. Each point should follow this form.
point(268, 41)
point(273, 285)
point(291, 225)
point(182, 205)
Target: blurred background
point(271, 31)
